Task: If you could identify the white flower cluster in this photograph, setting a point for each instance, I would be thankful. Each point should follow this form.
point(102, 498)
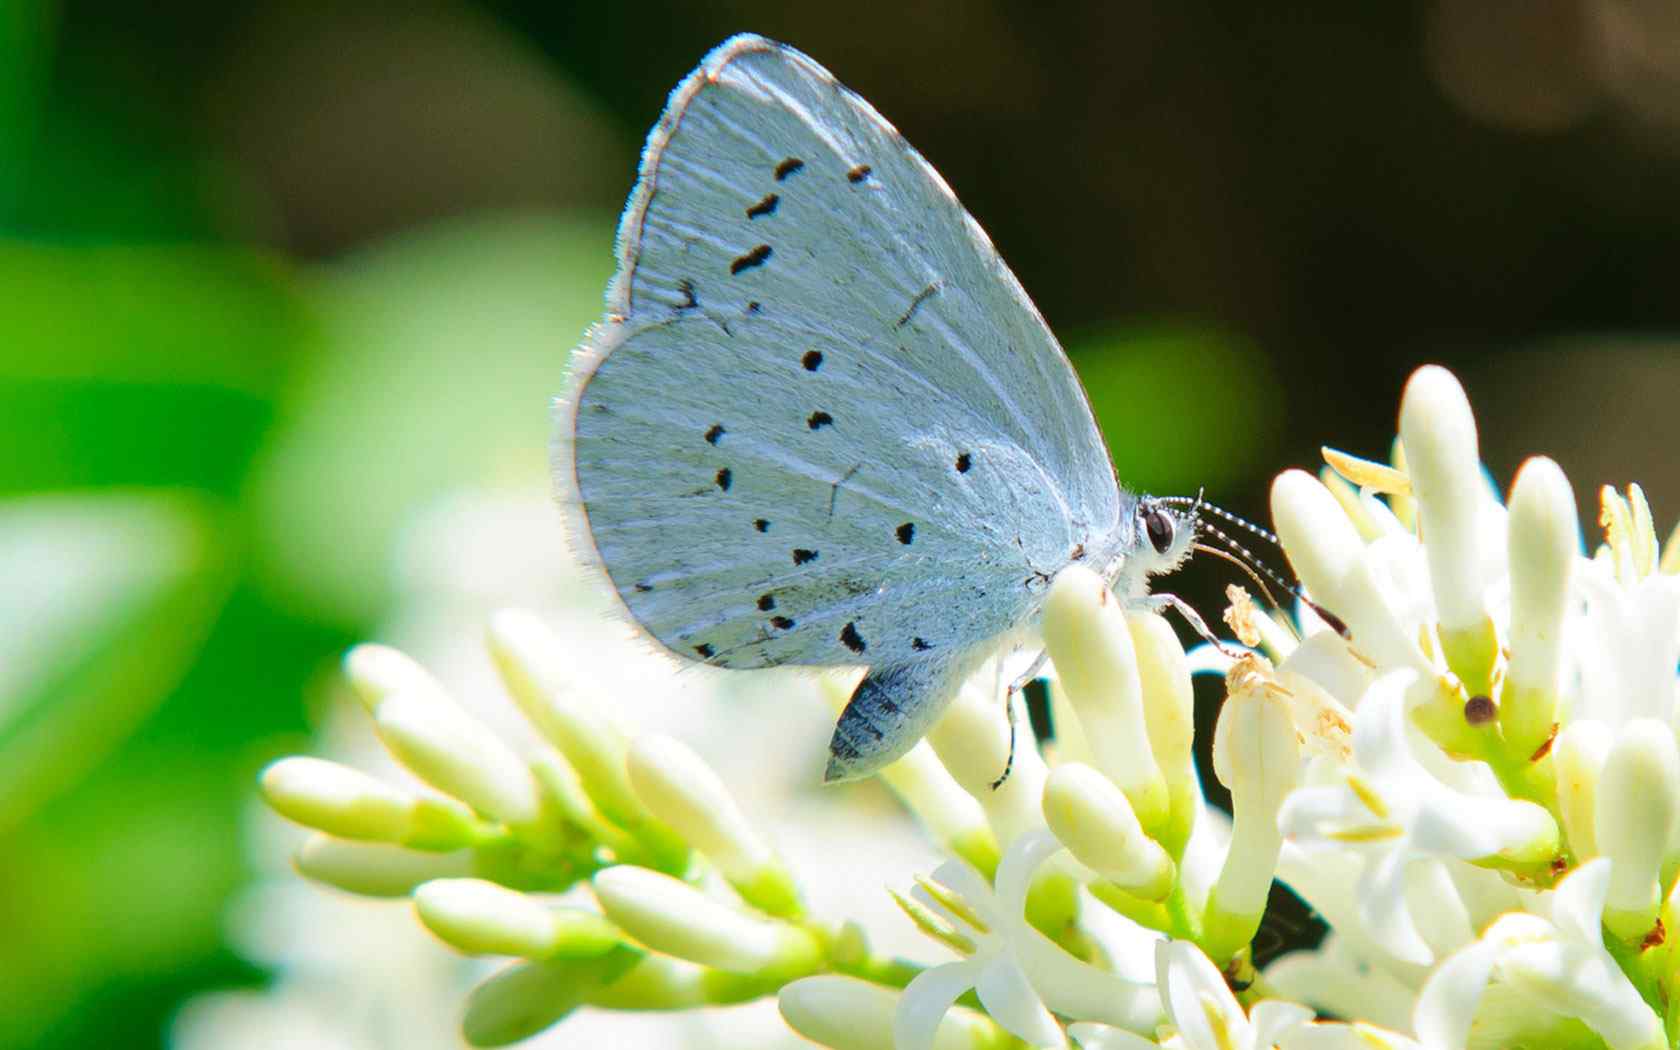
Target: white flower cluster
point(1473, 778)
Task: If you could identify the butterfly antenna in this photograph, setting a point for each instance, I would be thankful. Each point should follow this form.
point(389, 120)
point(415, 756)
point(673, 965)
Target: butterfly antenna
point(1239, 563)
point(1253, 564)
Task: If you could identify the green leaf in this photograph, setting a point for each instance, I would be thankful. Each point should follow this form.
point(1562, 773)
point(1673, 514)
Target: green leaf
point(107, 600)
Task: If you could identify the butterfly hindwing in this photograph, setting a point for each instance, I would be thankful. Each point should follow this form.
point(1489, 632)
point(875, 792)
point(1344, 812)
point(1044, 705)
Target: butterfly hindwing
point(821, 423)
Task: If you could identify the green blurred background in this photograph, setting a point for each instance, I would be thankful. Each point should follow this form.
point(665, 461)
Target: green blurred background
point(277, 280)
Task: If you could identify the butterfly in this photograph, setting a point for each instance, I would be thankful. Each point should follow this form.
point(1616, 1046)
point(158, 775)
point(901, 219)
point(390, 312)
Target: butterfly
point(821, 424)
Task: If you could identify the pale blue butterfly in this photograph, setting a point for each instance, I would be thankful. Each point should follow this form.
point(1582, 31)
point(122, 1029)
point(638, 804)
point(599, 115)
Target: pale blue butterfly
point(821, 423)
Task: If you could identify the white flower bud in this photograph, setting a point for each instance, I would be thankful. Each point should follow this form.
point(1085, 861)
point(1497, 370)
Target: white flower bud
point(459, 755)
point(1169, 708)
point(1578, 756)
point(378, 671)
point(1564, 963)
point(336, 799)
point(1439, 432)
point(671, 916)
point(521, 1000)
point(1545, 540)
point(1328, 556)
point(679, 788)
point(1444, 464)
point(375, 869)
point(1086, 633)
point(972, 742)
point(1638, 799)
point(847, 1013)
point(484, 918)
point(1093, 819)
point(1257, 755)
point(350, 804)
point(529, 658)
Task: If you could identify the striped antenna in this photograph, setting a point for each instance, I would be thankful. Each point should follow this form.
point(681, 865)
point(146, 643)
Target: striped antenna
point(1249, 558)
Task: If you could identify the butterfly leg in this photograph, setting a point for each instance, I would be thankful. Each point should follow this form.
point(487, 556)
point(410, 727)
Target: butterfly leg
point(1016, 686)
point(1159, 603)
point(891, 709)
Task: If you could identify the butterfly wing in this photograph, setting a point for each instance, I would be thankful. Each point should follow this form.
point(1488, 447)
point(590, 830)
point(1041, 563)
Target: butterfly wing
point(821, 422)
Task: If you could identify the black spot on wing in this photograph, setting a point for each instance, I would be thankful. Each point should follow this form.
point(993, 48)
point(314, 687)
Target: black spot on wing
point(801, 555)
point(756, 257)
point(766, 602)
point(781, 623)
point(761, 524)
point(906, 533)
point(851, 639)
point(723, 479)
point(964, 461)
point(715, 434)
point(704, 650)
point(859, 173)
point(919, 645)
point(812, 360)
point(767, 206)
point(788, 167)
point(818, 420)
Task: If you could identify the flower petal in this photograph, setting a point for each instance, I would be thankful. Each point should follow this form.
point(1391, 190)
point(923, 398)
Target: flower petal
point(1448, 1002)
point(1196, 997)
point(1005, 993)
point(927, 999)
point(1382, 908)
point(1273, 1019)
point(1106, 1037)
point(1578, 902)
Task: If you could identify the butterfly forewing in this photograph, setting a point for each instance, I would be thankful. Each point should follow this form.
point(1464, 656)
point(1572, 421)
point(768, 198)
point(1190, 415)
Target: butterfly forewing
point(821, 424)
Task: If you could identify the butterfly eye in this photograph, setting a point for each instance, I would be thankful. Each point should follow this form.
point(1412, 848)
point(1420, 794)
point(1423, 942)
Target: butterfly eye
point(1160, 529)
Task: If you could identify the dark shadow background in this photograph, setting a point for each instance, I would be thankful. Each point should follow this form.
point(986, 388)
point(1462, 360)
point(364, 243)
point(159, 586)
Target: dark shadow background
point(1248, 223)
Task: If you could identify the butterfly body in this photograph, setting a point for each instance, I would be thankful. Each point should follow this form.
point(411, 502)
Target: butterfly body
point(821, 423)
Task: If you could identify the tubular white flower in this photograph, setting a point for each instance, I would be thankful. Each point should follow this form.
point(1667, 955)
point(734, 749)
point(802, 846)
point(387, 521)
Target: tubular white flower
point(528, 658)
point(679, 788)
point(972, 742)
point(1439, 433)
point(1390, 810)
point(1328, 556)
point(1564, 964)
point(1578, 756)
point(346, 802)
point(1086, 633)
point(1207, 1015)
point(1016, 971)
point(484, 918)
point(521, 1000)
point(1638, 800)
point(1544, 543)
point(1093, 819)
point(670, 916)
point(375, 869)
point(846, 1013)
point(1630, 646)
point(458, 755)
point(1169, 708)
point(1257, 755)
point(378, 671)
point(436, 740)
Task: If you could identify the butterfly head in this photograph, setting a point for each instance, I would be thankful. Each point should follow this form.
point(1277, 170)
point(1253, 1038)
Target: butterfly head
point(1163, 532)
point(1166, 530)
